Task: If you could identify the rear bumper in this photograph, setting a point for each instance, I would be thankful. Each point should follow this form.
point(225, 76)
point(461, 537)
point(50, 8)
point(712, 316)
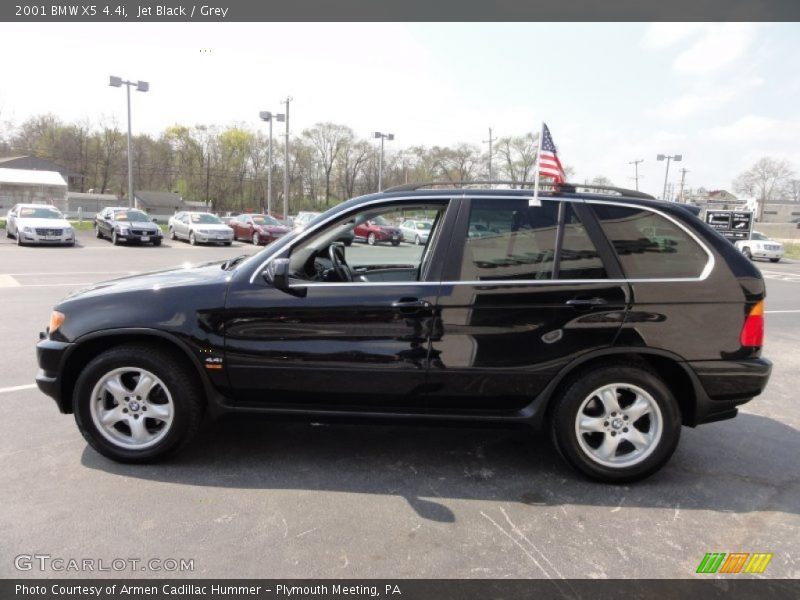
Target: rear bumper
point(725, 384)
point(50, 355)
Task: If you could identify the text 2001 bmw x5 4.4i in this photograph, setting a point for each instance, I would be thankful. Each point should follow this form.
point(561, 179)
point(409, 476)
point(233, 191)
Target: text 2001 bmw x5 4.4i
point(608, 319)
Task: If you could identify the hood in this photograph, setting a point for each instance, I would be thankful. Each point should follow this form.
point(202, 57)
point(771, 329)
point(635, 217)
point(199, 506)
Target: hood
point(274, 228)
point(48, 223)
point(157, 281)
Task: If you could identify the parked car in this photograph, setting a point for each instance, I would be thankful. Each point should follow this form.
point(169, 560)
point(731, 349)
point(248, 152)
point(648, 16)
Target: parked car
point(415, 231)
point(760, 246)
point(199, 228)
point(258, 229)
point(38, 224)
point(568, 319)
point(376, 230)
point(123, 225)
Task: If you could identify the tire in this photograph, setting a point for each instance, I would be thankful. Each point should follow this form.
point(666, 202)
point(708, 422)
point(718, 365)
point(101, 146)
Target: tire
point(192, 239)
point(227, 243)
point(172, 235)
point(97, 233)
point(175, 394)
point(580, 408)
point(19, 239)
point(115, 239)
point(774, 260)
point(395, 242)
point(256, 239)
point(348, 242)
point(417, 241)
point(747, 253)
point(371, 239)
point(157, 242)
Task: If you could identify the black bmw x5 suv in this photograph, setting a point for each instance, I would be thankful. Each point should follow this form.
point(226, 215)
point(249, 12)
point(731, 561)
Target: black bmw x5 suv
point(609, 319)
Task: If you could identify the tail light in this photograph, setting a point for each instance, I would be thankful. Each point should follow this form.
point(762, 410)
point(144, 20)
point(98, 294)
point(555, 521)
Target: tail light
point(753, 330)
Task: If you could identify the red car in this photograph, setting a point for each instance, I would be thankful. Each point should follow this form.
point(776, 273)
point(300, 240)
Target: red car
point(378, 230)
point(259, 229)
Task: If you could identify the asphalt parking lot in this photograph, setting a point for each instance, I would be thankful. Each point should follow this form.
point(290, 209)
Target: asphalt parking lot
point(254, 498)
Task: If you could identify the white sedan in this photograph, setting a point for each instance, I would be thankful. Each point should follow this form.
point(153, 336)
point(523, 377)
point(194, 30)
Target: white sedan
point(416, 231)
point(38, 224)
point(760, 246)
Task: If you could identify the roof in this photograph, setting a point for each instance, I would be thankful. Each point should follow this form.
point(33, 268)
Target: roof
point(34, 163)
point(88, 196)
point(27, 177)
point(151, 200)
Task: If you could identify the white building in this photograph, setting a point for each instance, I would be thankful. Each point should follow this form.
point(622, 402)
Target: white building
point(31, 187)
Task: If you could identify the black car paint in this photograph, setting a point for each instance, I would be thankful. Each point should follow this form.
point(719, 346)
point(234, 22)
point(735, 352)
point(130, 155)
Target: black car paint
point(335, 352)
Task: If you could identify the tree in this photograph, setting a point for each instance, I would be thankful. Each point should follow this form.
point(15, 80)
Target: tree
point(764, 181)
point(792, 190)
point(601, 180)
point(518, 157)
point(327, 139)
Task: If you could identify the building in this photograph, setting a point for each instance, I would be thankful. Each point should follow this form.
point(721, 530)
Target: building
point(33, 163)
point(31, 187)
point(162, 205)
point(87, 205)
point(784, 212)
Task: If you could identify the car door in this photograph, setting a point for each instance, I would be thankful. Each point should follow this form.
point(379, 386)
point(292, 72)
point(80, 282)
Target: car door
point(536, 289)
point(357, 345)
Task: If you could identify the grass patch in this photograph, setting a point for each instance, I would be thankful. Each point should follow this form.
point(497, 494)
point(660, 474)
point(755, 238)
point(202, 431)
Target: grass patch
point(791, 250)
point(2, 223)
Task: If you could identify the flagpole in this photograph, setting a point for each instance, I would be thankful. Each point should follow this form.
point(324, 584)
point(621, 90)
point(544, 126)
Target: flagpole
point(538, 158)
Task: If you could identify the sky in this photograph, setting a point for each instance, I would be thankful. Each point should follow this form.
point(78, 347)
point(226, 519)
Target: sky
point(721, 94)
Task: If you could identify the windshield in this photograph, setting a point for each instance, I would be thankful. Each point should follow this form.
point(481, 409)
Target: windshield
point(424, 225)
point(133, 216)
point(44, 212)
point(205, 218)
point(380, 221)
point(264, 220)
point(759, 236)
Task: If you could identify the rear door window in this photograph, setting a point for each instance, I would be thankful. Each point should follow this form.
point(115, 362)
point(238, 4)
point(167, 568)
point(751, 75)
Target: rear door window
point(649, 245)
point(512, 240)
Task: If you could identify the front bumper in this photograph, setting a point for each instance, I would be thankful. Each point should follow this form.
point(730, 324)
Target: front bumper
point(145, 237)
point(50, 356)
point(767, 253)
point(725, 384)
point(32, 237)
point(207, 238)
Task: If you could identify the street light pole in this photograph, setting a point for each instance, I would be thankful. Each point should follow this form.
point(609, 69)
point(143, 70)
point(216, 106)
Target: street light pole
point(490, 140)
point(382, 136)
point(676, 158)
point(683, 180)
point(141, 86)
point(635, 164)
point(286, 162)
point(269, 117)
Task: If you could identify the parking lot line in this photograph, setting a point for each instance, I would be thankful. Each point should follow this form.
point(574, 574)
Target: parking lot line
point(8, 281)
point(17, 388)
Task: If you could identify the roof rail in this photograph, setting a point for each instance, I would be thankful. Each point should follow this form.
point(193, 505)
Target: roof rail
point(549, 187)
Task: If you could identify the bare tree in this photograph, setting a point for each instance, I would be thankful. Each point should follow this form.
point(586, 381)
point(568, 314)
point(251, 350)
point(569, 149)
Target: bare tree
point(764, 181)
point(327, 139)
point(792, 190)
point(518, 157)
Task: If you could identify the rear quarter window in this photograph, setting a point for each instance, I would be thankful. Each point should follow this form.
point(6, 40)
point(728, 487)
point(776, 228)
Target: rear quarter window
point(649, 245)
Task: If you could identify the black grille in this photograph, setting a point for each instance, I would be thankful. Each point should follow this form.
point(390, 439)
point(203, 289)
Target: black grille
point(48, 231)
point(142, 232)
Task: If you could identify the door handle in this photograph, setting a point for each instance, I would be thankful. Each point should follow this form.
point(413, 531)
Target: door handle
point(586, 302)
point(410, 304)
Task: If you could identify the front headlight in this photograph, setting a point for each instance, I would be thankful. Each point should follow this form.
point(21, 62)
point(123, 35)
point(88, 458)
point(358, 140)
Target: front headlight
point(56, 321)
point(27, 229)
point(123, 231)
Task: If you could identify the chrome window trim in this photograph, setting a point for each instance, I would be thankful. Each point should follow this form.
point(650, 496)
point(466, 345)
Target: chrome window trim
point(704, 274)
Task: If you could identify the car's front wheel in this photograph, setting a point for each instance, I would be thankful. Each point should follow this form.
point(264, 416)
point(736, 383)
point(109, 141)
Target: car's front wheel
point(192, 239)
point(417, 241)
point(747, 253)
point(114, 238)
point(774, 260)
point(172, 235)
point(97, 233)
point(371, 239)
point(256, 239)
point(616, 423)
point(137, 404)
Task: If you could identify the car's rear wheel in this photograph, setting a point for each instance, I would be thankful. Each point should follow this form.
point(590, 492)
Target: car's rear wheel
point(371, 239)
point(616, 423)
point(137, 404)
point(747, 253)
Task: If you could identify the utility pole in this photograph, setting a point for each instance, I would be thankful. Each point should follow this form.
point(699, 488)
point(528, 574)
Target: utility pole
point(635, 164)
point(668, 158)
point(286, 162)
point(489, 141)
point(683, 179)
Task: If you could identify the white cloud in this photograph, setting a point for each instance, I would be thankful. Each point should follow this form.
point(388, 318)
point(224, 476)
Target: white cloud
point(720, 46)
point(754, 128)
point(659, 36)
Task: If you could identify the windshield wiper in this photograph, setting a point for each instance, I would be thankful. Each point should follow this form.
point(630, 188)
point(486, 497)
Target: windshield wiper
point(232, 262)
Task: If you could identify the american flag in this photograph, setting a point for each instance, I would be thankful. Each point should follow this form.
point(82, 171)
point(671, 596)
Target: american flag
point(549, 165)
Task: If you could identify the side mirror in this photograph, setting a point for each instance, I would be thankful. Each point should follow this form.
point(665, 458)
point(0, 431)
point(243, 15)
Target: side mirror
point(155, 220)
point(277, 274)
